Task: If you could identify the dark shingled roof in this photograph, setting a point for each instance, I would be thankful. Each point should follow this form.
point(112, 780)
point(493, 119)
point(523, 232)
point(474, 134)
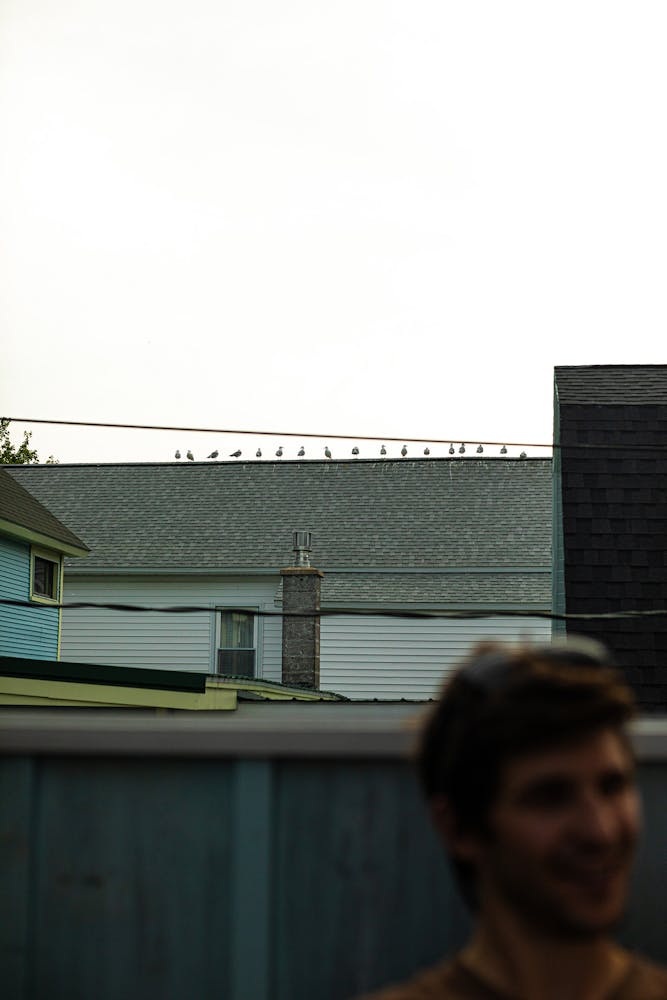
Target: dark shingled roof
point(492, 514)
point(614, 514)
point(20, 508)
point(640, 385)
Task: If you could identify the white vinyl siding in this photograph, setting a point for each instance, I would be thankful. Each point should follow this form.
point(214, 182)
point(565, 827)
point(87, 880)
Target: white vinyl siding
point(155, 639)
point(270, 635)
point(388, 658)
point(361, 657)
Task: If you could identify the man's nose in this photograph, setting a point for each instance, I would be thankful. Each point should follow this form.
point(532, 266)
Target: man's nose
point(595, 821)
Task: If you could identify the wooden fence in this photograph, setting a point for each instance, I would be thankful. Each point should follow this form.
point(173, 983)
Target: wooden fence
point(280, 855)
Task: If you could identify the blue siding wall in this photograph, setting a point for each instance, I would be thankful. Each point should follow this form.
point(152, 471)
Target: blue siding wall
point(23, 631)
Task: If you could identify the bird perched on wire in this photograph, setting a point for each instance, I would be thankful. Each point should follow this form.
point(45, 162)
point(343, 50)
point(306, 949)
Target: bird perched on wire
point(383, 450)
point(503, 450)
point(327, 453)
point(404, 451)
point(462, 450)
point(479, 449)
point(258, 453)
point(178, 454)
point(427, 451)
point(523, 455)
point(189, 456)
point(301, 452)
point(355, 450)
point(279, 453)
point(451, 449)
point(235, 454)
point(214, 454)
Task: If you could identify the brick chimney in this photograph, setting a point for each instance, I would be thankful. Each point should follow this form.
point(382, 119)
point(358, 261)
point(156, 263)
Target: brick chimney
point(301, 636)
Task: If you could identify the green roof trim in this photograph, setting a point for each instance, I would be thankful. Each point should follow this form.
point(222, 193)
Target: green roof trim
point(97, 673)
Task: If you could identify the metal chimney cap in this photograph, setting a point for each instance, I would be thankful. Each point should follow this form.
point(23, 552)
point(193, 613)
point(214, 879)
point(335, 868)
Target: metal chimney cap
point(301, 543)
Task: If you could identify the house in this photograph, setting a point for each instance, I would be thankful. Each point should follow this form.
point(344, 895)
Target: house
point(391, 536)
point(610, 515)
point(33, 544)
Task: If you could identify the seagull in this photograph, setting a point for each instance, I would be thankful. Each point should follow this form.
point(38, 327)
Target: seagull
point(301, 452)
point(451, 449)
point(503, 450)
point(427, 451)
point(214, 454)
point(234, 454)
point(190, 456)
point(404, 451)
point(462, 450)
point(178, 454)
point(327, 453)
point(279, 453)
point(258, 453)
point(479, 449)
point(383, 450)
point(355, 451)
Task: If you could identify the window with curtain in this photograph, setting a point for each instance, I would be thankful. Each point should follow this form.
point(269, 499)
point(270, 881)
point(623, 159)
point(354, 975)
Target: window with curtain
point(236, 646)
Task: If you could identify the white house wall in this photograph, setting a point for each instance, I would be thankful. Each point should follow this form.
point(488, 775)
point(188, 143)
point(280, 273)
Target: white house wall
point(361, 656)
point(159, 640)
point(368, 657)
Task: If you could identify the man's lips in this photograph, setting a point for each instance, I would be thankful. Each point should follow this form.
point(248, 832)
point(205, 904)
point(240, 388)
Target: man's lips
point(591, 871)
point(592, 876)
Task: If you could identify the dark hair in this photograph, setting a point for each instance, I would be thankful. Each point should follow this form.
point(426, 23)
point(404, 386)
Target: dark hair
point(504, 702)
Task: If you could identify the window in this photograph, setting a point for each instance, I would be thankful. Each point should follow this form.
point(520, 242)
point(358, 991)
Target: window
point(236, 647)
point(45, 576)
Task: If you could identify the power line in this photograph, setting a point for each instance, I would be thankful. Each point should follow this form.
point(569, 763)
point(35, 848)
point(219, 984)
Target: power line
point(187, 609)
point(340, 437)
point(271, 433)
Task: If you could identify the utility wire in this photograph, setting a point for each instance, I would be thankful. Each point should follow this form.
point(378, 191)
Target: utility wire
point(187, 609)
point(339, 437)
point(256, 433)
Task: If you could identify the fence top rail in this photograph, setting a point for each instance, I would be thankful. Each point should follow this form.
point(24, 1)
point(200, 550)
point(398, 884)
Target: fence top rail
point(267, 731)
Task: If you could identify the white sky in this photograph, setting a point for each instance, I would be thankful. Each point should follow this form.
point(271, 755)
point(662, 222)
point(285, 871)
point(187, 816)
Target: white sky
point(361, 217)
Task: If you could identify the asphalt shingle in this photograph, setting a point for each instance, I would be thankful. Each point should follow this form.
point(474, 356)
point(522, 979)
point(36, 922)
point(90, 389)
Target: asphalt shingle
point(614, 511)
point(19, 507)
point(391, 514)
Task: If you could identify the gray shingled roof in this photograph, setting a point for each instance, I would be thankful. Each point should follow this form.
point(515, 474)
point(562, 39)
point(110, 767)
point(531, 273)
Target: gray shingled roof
point(20, 508)
point(611, 384)
point(392, 514)
point(438, 588)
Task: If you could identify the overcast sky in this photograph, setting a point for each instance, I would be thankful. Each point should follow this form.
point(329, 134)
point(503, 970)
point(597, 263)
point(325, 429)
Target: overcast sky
point(361, 217)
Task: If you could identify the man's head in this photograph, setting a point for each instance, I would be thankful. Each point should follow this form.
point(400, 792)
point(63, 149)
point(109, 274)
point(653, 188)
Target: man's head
point(530, 776)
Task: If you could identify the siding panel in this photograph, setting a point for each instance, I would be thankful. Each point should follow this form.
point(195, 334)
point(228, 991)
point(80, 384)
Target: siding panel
point(366, 657)
point(23, 631)
point(149, 638)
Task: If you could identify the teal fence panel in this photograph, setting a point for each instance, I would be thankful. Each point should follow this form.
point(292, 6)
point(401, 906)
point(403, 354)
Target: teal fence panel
point(191, 869)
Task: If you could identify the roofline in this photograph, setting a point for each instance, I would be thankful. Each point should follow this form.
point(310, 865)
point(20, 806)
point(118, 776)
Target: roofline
point(560, 368)
point(293, 461)
point(38, 538)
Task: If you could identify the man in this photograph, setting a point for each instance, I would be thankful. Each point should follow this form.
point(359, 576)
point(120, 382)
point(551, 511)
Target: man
point(530, 777)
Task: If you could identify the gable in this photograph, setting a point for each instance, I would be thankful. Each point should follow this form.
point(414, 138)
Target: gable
point(23, 516)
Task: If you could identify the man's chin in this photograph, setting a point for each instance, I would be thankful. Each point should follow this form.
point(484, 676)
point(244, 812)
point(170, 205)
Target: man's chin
point(591, 919)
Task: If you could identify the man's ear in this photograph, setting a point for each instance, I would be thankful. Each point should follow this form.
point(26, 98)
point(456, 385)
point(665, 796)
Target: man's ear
point(460, 844)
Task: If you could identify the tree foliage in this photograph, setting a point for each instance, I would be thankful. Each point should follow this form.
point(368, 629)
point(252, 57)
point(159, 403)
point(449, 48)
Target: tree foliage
point(9, 455)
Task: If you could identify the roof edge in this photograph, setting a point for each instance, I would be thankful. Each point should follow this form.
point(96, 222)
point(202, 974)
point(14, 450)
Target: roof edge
point(38, 538)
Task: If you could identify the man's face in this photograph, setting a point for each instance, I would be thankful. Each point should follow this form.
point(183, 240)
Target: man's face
point(563, 830)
